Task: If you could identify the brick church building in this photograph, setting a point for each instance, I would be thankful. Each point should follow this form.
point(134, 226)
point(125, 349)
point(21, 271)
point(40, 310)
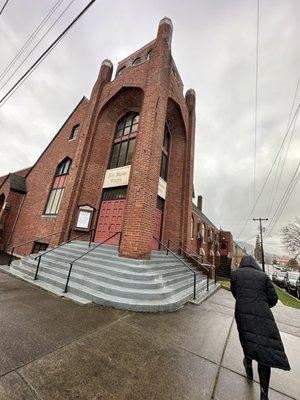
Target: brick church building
point(123, 161)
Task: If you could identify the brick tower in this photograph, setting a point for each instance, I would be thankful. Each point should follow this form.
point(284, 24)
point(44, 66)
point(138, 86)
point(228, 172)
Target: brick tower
point(123, 161)
point(137, 168)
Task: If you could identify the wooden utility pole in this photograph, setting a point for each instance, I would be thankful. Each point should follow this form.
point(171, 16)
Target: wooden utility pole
point(261, 240)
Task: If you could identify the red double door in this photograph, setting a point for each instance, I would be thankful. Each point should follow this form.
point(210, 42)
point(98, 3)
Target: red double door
point(111, 221)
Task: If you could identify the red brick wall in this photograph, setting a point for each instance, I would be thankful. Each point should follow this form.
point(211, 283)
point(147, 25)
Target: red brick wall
point(31, 222)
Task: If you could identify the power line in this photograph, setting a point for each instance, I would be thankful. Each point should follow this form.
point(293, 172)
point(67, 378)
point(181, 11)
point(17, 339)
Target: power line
point(255, 112)
point(284, 200)
point(32, 50)
point(43, 56)
point(273, 195)
point(5, 4)
point(270, 171)
point(31, 37)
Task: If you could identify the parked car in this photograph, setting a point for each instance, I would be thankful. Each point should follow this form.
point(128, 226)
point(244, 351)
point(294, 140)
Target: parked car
point(298, 289)
point(291, 281)
point(279, 278)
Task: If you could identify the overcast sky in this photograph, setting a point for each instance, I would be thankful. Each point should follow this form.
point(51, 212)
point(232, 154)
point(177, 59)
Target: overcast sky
point(214, 47)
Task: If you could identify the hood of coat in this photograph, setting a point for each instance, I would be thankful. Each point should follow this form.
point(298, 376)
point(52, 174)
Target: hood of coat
point(249, 261)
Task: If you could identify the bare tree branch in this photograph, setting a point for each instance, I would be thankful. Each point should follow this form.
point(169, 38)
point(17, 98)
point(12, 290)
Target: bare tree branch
point(291, 238)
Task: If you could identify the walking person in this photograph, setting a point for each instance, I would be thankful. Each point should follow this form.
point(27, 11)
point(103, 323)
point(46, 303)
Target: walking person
point(259, 336)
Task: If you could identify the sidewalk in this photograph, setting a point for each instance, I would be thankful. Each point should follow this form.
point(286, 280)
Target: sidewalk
point(52, 348)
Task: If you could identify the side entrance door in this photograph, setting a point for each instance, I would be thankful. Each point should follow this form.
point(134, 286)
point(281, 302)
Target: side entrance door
point(110, 218)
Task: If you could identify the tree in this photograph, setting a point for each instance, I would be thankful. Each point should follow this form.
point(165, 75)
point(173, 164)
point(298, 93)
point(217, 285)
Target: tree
point(291, 238)
point(293, 264)
point(257, 250)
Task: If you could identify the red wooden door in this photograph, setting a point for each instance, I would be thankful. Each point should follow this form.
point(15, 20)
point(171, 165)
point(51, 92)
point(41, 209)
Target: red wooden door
point(110, 220)
point(157, 229)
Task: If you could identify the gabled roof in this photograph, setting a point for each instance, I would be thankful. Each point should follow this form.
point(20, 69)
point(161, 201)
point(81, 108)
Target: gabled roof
point(21, 173)
point(17, 183)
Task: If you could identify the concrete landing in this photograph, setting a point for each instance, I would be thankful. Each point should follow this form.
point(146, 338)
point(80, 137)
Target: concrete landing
point(55, 349)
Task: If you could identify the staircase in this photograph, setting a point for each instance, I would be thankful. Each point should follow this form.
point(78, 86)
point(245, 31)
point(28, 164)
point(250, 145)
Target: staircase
point(160, 284)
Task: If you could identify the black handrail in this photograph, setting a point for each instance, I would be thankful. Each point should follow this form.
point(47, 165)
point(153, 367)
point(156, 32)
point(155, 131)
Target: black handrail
point(183, 262)
point(206, 262)
point(56, 247)
point(31, 241)
point(197, 261)
point(82, 255)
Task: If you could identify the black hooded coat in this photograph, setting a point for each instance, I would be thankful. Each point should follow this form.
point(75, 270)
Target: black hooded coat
point(255, 294)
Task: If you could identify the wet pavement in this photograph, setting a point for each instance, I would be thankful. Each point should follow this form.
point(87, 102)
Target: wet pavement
point(55, 349)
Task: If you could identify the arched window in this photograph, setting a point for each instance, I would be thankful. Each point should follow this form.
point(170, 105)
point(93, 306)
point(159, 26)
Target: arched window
point(203, 231)
point(192, 227)
point(121, 70)
point(124, 142)
point(58, 187)
point(149, 55)
point(2, 203)
point(165, 155)
point(137, 61)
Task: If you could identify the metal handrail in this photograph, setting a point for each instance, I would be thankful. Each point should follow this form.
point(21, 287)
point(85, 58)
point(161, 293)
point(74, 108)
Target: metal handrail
point(31, 241)
point(183, 262)
point(87, 252)
point(181, 249)
point(206, 262)
point(56, 247)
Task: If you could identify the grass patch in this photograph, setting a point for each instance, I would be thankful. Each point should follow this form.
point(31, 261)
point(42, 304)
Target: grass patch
point(287, 299)
point(225, 284)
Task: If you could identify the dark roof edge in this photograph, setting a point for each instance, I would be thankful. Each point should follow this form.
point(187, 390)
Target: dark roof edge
point(200, 213)
point(55, 136)
point(239, 246)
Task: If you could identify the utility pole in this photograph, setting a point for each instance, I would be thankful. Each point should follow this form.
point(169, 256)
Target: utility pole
point(261, 240)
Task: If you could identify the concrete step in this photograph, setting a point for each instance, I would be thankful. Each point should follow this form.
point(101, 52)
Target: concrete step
point(162, 283)
point(139, 275)
point(113, 261)
point(141, 305)
point(59, 279)
point(158, 281)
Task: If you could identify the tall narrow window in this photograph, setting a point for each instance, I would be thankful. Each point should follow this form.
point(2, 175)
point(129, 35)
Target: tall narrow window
point(124, 142)
point(58, 187)
point(74, 132)
point(165, 155)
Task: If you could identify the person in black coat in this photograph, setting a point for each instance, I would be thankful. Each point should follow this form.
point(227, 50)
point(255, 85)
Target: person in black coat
point(259, 336)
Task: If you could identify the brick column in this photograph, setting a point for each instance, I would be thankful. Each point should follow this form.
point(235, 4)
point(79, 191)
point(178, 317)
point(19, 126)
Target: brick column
point(190, 98)
point(139, 220)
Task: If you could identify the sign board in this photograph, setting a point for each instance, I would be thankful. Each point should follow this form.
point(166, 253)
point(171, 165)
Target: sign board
point(83, 220)
point(117, 177)
point(162, 188)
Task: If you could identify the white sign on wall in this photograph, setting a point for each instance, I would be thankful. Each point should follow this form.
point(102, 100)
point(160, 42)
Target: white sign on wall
point(162, 188)
point(83, 220)
point(117, 177)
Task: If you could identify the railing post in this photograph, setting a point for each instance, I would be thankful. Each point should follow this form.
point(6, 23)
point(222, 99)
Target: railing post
point(69, 274)
point(11, 255)
point(195, 282)
point(90, 241)
point(120, 241)
point(37, 268)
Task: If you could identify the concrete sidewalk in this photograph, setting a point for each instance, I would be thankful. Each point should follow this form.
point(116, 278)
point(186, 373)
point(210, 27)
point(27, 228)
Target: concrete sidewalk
point(52, 348)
